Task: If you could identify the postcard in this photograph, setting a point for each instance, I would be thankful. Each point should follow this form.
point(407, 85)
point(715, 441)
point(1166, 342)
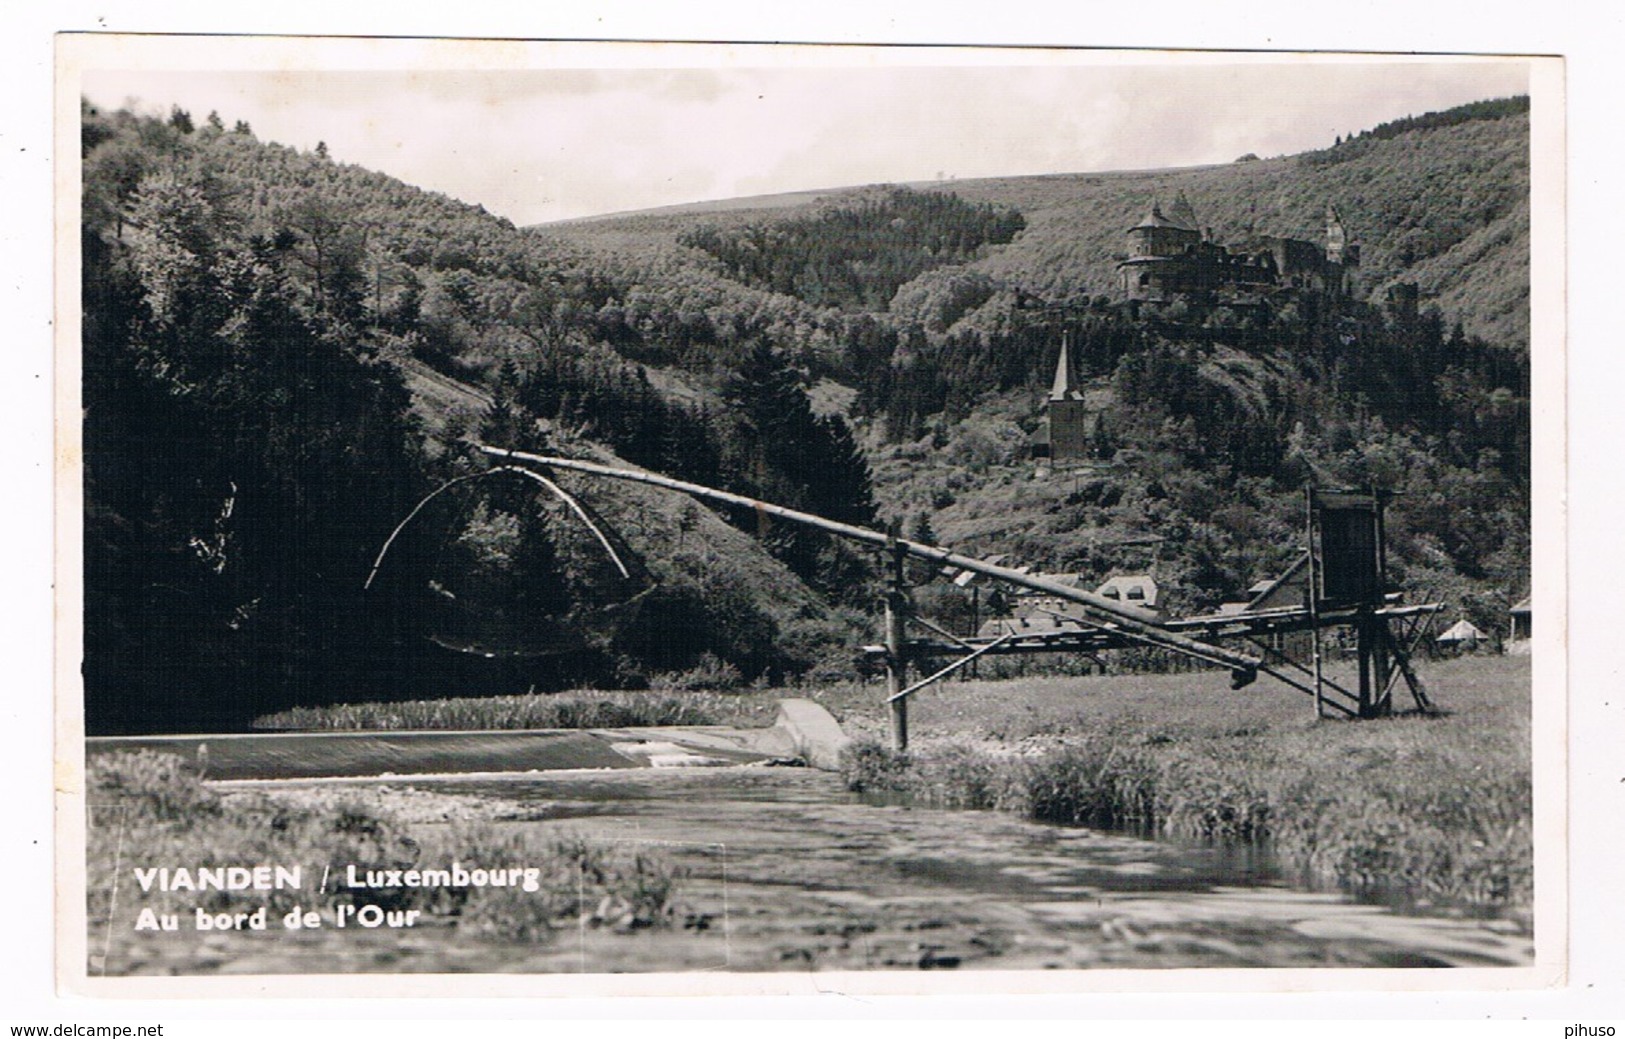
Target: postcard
point(672, 518)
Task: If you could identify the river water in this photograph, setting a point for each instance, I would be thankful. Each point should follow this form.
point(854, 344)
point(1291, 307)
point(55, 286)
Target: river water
point(785, 870)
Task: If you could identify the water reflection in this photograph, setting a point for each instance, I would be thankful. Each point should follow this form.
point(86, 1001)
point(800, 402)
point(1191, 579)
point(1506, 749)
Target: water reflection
point(804, 863)
point(783, 869)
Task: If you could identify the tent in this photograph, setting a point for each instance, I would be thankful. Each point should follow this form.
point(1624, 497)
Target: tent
point(1462, 633)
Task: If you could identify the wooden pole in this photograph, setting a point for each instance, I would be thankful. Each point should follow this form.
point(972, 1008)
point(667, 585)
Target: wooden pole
point(1364, 649)
point(975, 623)
point(1314, 602)
point(1129, 618)
point(1382, 667)
point(1380, 635)
point(897, 608)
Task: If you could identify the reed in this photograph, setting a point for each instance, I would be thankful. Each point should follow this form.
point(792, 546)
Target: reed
point(1431, 808)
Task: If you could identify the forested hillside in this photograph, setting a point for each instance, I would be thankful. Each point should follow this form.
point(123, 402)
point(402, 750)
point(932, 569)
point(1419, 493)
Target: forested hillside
point(1210, 421)
point(257, 322)
point(283, 354)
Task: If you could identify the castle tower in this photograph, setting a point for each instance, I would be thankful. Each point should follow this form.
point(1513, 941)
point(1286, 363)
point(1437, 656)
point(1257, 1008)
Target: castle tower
point(1183, 215)
point(1157, 248)
point(1342, 255)
point(1158, 234)
point(1336, 237)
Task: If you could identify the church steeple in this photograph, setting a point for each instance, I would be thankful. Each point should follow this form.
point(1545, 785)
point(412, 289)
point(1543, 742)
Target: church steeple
point(1063, 436)
point(1062, 388)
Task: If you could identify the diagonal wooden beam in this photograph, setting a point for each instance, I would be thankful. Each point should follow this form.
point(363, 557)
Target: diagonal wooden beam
point(938, 676)
point(1295, 684)
point(1141, 623)
point(915, 618)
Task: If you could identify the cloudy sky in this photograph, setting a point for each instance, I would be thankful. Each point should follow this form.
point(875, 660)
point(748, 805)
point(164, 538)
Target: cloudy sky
point(608, 129)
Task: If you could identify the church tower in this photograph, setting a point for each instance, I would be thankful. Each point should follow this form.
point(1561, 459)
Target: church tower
point(1068, 413)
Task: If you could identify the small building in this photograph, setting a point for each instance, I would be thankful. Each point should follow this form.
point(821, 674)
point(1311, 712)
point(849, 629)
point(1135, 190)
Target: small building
point(1522, 628)
point(1134, 589)
point(1033, 610)
point(1290, 589)
point(1462, 635)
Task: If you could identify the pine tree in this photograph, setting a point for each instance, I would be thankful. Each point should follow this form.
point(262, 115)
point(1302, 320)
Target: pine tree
point(921, 530)
point(780, 451)
point(507, 422)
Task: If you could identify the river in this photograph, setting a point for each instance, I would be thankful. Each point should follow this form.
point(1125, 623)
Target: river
point(785, 870)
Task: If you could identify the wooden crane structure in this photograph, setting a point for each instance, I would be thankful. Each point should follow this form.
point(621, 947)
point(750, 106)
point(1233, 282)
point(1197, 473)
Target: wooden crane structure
point(1346, 588)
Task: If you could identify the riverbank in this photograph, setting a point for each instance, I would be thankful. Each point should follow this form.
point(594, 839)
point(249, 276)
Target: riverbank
point(1437, 809)
point(198, 854)
point(1434, 809)
point(781, 869)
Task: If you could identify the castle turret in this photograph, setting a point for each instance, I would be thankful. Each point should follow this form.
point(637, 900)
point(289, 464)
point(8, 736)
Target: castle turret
point(1182, 214)
point(1336, 237)
point(1158, 240)
point(1160, 235)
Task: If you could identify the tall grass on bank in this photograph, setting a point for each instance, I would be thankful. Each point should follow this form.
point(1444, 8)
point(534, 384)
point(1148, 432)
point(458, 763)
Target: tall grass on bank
point(148, 809)
point(1399, 815)
point(529, 711)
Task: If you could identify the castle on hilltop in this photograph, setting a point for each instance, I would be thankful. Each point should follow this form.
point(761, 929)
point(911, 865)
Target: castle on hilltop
point(1170, 254)
point(1169, 258)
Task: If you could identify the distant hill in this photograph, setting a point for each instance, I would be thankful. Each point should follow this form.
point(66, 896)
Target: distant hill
point(283, 351)
point(1439, 201)
point(1445, 206)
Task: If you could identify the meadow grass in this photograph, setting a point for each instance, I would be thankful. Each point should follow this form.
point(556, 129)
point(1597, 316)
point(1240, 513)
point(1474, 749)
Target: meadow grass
point(1432, 808)
point(579, 710)
point(150, 809)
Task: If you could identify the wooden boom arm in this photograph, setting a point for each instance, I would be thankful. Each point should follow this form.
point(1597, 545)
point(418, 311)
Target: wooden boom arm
point(1106, 612)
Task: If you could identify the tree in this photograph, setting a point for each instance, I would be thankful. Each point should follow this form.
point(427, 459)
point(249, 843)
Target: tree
point(333, 249)
point(507, 422)
point(112, 172)
point(242, 467)
point(779, 450)
point(1102, 445)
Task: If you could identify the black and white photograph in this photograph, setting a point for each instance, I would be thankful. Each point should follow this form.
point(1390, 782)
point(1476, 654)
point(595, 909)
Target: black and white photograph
point(729, 513)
